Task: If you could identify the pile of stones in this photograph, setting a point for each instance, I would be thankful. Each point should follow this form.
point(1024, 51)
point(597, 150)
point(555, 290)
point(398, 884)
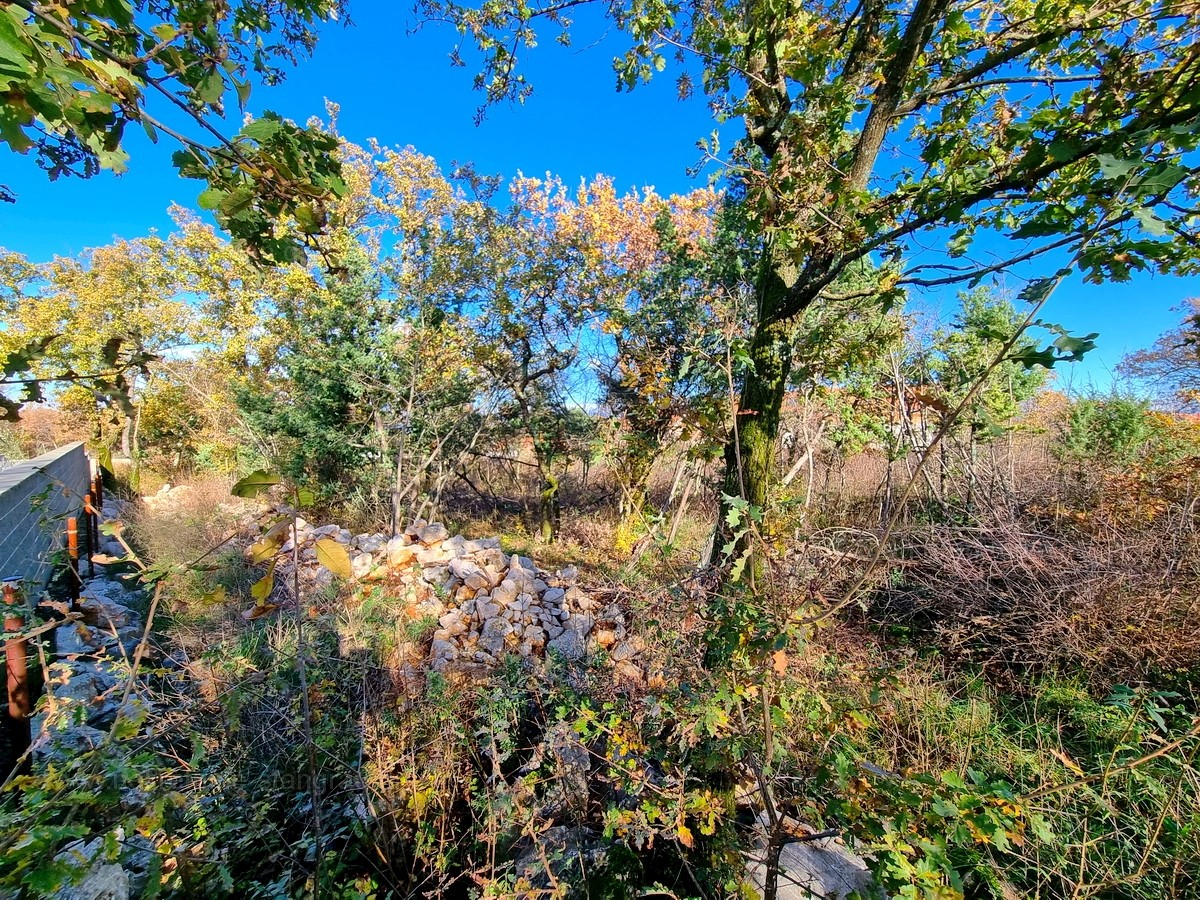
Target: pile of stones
point(487, 603)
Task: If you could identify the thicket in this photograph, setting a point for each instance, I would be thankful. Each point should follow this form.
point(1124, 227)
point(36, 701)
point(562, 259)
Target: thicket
point(949, 629)
point(1007, 708)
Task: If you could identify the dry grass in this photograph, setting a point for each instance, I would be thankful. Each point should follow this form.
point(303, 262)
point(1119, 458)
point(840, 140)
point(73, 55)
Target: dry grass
point(1021, 594)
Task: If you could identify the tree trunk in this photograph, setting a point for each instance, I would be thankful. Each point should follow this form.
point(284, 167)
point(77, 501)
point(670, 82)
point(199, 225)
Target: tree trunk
point(134, 452)
point(634, 477)
point(548, 508)
point(397, 490)
point(750, 445)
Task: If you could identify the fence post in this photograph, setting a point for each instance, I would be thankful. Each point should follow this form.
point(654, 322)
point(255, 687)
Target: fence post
point(73, 558)
point(89, 512)
point(16, 650)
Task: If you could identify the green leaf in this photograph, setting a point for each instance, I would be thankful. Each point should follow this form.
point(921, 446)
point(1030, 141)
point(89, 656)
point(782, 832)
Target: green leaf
point(262, 129)
point(211, 87)
point(333, 556)
point(1111, 167)
point(1150, 222)
point(254, 484)
point(211, 198)
point(1063, 148)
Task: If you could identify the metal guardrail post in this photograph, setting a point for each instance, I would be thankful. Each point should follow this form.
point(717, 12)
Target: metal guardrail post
point(16, 651)
point(73, 558)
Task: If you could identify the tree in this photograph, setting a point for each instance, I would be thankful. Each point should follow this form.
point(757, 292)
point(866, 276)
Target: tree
point(1067, 128)
point(74, 76)
point(535, 291)
point(965, 353)
point(99, 319)
point(1172, 366)
point(655, 305)
point(320, 402)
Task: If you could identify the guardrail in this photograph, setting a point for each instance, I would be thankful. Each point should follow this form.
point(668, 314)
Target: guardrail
point(37, 497)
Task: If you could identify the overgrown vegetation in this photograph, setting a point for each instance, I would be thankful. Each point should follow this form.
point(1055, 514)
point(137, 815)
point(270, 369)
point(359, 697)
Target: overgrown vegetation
point(884, 585)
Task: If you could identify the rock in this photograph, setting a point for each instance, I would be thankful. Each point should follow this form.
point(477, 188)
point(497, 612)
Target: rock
point(523, 563)
point(362, 565)
point(370, 543)
point(138, 859)
point(505, 592)
point(134, 711)
point(441, 653)
point(818, 868)
point(399, 552)
point(575, 856)
point(102, 880)
point(436, 575)
point(495, 630)
point(487, 610)
point(470, 574)
point(623, 651)
point(580, 623)
point(326, 531)
point(432, 534)
point(67, 743)
point(553, 595)
point(569, 645)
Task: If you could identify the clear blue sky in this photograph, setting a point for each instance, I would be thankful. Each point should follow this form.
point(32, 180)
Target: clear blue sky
point(401, 89)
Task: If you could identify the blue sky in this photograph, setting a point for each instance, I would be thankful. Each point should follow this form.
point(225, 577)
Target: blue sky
point(401, 89)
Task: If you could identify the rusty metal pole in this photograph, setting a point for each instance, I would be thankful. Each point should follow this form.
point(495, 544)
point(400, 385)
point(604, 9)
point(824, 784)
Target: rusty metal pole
point(73, 558)
point(16, 650)
point(98, 489)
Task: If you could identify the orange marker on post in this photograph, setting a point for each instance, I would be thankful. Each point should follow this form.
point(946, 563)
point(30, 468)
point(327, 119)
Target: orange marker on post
point(20, 706)
point(73, 556)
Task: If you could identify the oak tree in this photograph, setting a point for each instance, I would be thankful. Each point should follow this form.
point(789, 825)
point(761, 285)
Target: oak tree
point(1001, 130)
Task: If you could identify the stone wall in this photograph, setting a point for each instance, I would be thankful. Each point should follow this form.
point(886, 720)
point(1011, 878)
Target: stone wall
point(31, 528)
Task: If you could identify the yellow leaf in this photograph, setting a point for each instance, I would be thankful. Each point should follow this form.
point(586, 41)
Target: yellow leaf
point(1067, 761)
point(216, 595)
point(261, 589)
point(333, 556)
point(258, 610)
point(261, 551)
point(685, 836)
